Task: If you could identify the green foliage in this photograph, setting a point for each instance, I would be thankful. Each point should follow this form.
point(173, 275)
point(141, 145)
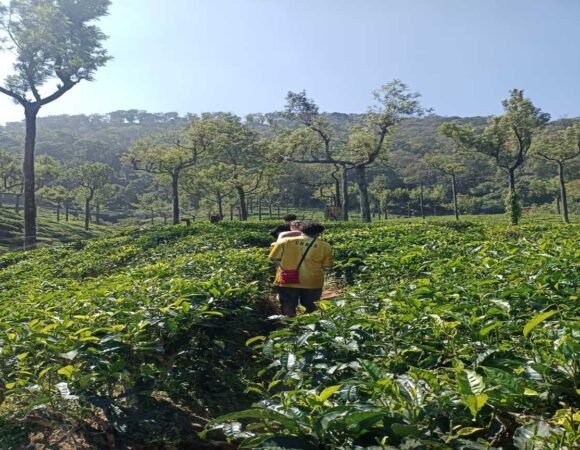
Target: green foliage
point(52, 40)
point(460, 335)
point(100, 328)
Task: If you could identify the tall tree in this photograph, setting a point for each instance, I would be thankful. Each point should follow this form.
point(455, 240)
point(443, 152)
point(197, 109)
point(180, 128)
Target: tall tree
point(51, 40)
point(507, 139)
point(559, 147)
point(365, 141)
point(243, 154)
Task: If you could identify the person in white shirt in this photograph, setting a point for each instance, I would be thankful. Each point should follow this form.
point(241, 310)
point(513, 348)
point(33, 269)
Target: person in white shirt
point(294, 231)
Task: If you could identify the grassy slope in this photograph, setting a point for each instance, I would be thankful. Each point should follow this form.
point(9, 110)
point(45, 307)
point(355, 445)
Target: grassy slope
point(49, 230)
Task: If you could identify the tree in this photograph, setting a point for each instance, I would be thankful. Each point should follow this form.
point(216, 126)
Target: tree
point(244, 156)
point(59, 196)
point(213, 183)
point(166, 155)
point(380, 193)
point(560, 146)
point(365, 141)
point(507, 139)
point(451, 165)
point(91, 177)
point(51, 40)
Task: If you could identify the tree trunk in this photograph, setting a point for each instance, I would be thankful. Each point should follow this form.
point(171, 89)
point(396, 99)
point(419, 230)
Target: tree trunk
point(558, 210)
point(278, 209)
point(563, 192)
point(454, 192)
point(17, 203)
point(434, 209)
point(219, 201)
point(97, 213)
point(66, 207)
point(1, 199)
point(260, 209)
point(512, 180)
point(243, 207)
point(514, 201)
point(87, 212)
point(365, 208)
point(231, 212)
point(337, 199)
point(175, 197)
point(58, 213)
point(421, 201)
point(344, 194)
point(270, 210)
point(30, 113)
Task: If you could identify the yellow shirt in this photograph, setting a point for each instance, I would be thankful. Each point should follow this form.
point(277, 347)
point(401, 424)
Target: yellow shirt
point(290, 251)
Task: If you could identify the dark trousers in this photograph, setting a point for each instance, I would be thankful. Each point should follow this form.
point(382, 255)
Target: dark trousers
point(290, 296)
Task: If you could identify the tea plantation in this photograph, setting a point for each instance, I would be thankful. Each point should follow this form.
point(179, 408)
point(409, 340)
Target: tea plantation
point(444, 336)
point(49, 230)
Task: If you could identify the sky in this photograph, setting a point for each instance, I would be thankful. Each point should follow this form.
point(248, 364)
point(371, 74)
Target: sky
point(243, 56)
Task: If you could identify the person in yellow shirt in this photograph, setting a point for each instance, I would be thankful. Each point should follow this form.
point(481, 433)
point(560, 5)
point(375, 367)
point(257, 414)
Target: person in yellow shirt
point(310, 256)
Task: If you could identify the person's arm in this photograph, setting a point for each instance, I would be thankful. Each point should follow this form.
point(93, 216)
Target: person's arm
point(275, 232)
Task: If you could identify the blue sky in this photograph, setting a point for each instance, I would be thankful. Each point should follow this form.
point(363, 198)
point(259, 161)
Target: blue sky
point(242, 56)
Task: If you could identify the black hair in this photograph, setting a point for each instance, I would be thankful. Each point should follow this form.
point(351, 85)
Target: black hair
point(290, 217)
point(311, 229)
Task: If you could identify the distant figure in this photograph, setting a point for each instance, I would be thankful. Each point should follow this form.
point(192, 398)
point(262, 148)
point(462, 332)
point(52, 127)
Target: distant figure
point(283, 226)
point(300, 261)
point(294, 231)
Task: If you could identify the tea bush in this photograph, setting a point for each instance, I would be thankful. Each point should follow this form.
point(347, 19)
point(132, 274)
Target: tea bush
point(448, 337)
point(94, 334)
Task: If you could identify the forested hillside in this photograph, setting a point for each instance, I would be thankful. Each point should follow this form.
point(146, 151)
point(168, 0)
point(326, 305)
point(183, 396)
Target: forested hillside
point(397, 180)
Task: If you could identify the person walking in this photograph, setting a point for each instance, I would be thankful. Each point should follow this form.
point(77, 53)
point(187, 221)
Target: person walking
point(288, 218)
point(300, 262)
point(294, 231)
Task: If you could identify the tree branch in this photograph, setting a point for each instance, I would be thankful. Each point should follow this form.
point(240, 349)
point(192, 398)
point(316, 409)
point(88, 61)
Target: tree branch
point(67, 86)
point(14, 95)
